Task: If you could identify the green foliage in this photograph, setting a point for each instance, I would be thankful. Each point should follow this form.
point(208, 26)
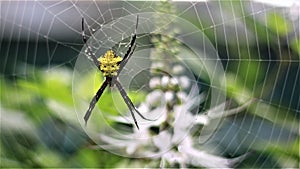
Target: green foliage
point(250, 73)
point(40, 128)
point(295, 44)
point(277, 24)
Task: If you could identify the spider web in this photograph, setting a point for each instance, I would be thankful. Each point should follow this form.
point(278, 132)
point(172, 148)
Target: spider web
point(48, 34)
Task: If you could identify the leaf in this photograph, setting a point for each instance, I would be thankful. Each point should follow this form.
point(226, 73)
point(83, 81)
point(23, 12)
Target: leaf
point(295, 45)
point(277, 24)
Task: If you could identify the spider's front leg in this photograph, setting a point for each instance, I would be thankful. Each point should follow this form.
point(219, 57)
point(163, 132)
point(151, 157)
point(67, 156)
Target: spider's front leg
point(89, 49)
point(131, 48)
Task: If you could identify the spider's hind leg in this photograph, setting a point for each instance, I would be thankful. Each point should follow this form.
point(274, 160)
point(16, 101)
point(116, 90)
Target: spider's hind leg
point(129, 103)
point(95, 100)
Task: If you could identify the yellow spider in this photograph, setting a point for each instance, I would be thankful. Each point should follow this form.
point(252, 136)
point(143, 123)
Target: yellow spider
point(111, 65)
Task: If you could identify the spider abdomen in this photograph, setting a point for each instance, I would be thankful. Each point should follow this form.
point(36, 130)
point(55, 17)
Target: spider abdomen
point(109, 63)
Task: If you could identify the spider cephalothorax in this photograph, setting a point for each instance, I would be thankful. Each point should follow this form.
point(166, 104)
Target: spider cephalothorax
point(111, 65)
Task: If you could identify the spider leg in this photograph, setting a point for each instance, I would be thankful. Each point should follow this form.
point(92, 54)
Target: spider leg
point(126, 98)
point(129, 103)
point(95, 100)
point(89, 50)
point(131, 48)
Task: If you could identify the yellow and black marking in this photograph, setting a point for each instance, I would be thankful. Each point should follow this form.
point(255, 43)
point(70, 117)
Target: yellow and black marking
point(109, 63)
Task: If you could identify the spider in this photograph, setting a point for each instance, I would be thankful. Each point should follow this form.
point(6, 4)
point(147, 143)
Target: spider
point(111, 65)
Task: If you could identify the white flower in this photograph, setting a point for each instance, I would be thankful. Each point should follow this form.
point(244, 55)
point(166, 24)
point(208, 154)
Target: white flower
point(202, 158)
point(174, 81)
point(157, 65)
point(182, 96)
point(165, 81)
point(154, 82)
point(184, 82)
point(131, 143)
point(169, 96)
point(177, 69)
point(163, 141)
point(202, 119)
point(155, 98)
point(187, 154)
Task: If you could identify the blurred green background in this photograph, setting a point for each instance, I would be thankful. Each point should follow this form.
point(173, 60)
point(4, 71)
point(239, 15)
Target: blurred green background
point(258, 44)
